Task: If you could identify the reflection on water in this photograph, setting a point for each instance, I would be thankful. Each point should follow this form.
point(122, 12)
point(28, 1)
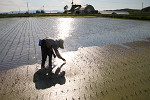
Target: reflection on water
point(64, 27)
point(19, 37)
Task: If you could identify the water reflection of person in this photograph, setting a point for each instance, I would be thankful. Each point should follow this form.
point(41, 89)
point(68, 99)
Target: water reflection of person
point(49, 47)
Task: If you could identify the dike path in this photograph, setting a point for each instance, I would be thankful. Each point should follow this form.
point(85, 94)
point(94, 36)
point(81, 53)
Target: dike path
point(111, 72)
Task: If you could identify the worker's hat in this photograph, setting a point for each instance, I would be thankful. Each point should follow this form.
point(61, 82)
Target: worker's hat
point(61, 42)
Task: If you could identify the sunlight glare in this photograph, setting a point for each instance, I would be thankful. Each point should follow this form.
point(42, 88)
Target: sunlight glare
point(67, 55)
point(64, 27)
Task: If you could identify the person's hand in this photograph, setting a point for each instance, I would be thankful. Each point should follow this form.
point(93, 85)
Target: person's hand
point(63, 59)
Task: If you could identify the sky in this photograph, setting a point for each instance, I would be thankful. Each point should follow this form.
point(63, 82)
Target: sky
point(21, 5)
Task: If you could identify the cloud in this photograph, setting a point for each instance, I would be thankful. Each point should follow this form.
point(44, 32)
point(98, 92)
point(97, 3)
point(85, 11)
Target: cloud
point(11, 2)
point(75, 1)
point(10, 5)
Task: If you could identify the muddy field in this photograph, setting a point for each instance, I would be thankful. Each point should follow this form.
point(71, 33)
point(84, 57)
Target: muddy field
point(98, 66)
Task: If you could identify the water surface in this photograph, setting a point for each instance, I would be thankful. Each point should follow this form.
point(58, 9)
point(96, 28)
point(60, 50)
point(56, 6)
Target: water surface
point(19, 36)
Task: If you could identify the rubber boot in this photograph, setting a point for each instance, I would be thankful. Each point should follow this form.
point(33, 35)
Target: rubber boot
point(50, 67)
point(43, 65)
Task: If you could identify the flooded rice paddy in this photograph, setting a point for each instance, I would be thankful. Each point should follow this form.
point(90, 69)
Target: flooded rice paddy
point(19, 36)
point(106, 59)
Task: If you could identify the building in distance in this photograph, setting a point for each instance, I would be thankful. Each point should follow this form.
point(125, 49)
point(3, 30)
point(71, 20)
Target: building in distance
point(86, 9)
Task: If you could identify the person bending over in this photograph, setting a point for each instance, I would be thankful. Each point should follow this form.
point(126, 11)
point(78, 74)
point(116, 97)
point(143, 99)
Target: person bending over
point(49, 47)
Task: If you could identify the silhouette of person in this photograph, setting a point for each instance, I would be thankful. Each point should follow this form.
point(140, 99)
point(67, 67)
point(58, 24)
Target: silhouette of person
point(49, 47)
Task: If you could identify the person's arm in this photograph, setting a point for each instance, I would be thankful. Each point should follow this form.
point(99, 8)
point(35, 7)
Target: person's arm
point(59, 56)
point(57, 52)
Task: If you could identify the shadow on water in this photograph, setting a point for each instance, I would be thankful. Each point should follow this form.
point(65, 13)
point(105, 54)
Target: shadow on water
point(44, 78)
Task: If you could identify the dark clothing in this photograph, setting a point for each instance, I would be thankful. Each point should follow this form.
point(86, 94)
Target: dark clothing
point(51, 43)
point(48, 45)
point(46, 52)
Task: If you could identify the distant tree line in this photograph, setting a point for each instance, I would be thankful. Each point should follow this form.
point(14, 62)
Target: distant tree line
point(147, 9)
point(65, 9)
point(40, 11)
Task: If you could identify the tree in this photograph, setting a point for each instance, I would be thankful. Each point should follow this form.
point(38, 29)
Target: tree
point(42, 11)
point(65, 9)
point(37, 11)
